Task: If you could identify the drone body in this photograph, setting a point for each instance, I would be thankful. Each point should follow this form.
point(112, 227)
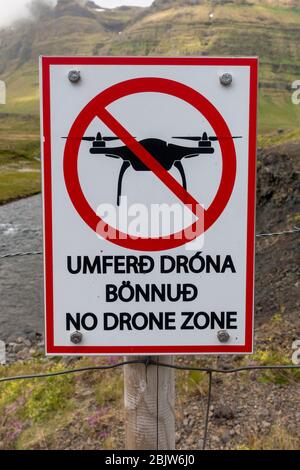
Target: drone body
point(167, 154)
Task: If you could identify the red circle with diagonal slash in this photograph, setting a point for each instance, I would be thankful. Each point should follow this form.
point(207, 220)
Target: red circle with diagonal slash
point(97, 108)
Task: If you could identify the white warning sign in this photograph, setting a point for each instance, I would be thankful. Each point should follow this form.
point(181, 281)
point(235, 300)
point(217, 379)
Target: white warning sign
point(149, 204)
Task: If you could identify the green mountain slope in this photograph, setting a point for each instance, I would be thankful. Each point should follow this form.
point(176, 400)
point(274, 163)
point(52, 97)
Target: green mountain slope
point(228, 29)
point(269, 29)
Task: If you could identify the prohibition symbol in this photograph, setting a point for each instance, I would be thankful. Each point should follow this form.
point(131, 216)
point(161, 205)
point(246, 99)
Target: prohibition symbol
point(97, 108)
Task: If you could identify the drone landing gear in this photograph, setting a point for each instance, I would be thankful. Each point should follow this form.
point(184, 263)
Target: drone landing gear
point(180, 168)
point(124, 167)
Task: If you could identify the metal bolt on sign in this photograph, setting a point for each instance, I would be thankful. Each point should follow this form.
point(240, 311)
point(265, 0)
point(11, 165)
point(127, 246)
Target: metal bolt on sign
point(74, 76)
point(226, 79)
point(223, 336)
point(76, 337)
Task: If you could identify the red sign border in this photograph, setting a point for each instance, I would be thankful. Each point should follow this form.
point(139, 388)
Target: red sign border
point(128, 88)
point(46, 63)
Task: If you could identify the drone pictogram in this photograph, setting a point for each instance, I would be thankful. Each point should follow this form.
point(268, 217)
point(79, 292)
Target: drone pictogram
point(166, 153)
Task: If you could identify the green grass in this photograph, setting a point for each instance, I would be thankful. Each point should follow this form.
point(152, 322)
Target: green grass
point(278, 438)
point(112, 392)
point(277, 138)
point(44, 413)
point(38, 398)
point(26, 403)
point(16, 184)
point(276, 111)
point(18, 127)
point(270, 357)
point(20, 174)
point(22, 90)
point(41, 412)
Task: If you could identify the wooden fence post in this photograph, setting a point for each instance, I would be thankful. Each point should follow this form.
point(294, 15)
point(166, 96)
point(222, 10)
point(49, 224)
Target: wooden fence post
point(149, 396)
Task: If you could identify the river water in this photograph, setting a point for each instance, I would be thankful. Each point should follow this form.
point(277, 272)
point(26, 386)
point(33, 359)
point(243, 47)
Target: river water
point(21, 277)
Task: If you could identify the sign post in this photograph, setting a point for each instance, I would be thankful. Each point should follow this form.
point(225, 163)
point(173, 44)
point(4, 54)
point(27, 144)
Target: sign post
point(149, 398)
point(149, 216)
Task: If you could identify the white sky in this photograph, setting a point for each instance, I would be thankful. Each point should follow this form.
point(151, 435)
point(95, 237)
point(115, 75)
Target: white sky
point(11, 10)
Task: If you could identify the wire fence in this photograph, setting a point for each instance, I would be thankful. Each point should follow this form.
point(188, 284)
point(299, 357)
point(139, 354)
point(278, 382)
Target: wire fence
point(258, 235)
point(147, 361)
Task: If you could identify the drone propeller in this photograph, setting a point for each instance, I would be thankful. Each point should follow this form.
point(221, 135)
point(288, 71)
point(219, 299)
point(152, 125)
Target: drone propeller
point(205, 138)
point(215, 138)
point(87, 139)
point(196, 139)
point(97, 138)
